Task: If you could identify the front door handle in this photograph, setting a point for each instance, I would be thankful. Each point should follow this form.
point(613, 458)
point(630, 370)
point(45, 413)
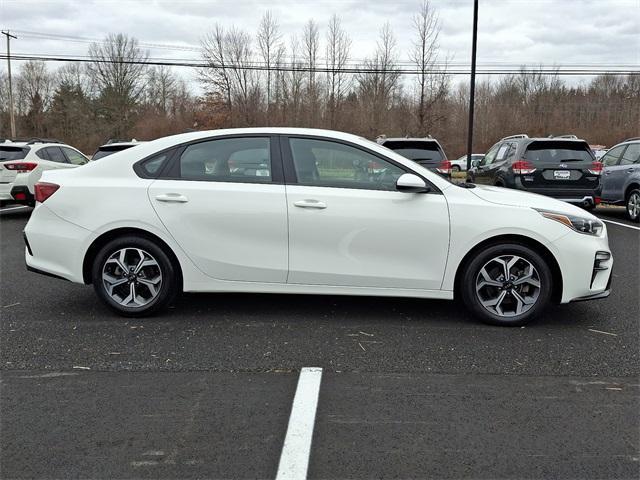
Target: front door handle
point(607, 172)
point(630, 170)
point(172, 197)
point(310, 204)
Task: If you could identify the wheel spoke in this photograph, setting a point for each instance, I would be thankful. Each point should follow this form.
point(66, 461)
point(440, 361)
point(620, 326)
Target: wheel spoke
point(487, 280)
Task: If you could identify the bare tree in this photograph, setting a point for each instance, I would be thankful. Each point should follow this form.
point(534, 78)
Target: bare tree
point(431, 81)
point(377, 87)
point(311, 46)
point(217, 77)
point(118, 68)
point(269, 43)
point(337, 55)
point(161, 88)
point(35, 90)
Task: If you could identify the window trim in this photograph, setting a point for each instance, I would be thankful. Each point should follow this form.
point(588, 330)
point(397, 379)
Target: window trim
point(171, 169)
point(291, 177)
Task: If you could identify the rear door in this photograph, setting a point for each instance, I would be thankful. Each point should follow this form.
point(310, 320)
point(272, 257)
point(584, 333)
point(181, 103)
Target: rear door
point(611, 170)
point(230, 221)
point(561, 164)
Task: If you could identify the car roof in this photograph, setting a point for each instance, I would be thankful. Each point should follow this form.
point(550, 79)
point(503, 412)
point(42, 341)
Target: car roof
point(409, 139)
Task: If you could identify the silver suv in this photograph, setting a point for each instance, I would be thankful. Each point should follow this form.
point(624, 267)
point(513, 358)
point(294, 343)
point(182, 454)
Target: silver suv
point(621, 179)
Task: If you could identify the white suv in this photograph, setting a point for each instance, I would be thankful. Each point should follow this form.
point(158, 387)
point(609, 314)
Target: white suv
point(22, 164)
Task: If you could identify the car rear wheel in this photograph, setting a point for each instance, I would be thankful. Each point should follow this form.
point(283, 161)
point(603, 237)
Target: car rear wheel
point(633, 205)
point(134, 276)
point(507, 284)
point(455, 168)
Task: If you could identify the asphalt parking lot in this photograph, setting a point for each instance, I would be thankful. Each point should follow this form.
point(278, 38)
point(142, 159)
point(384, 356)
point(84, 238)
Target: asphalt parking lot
point(410, 388)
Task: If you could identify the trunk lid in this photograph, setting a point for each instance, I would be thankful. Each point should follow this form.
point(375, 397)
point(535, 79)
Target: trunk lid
point(10, 153)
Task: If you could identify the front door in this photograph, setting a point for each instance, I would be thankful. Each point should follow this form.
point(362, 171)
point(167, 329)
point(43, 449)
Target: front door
point(348, 226)
point(613, 174)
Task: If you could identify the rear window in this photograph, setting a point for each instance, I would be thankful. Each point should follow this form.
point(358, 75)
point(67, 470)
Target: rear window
point(558, 152)
point(106, 151)
point(12, 153)
point(417, 151)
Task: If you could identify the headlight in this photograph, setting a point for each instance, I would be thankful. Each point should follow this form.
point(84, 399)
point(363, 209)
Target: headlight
point(587, 226)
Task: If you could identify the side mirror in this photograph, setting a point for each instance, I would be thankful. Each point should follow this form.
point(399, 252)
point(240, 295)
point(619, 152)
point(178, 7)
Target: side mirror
point(475, 163)
point(411, 183)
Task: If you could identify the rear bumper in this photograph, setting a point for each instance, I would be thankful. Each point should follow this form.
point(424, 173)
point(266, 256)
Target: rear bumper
point(55, 246)
point(21, 194)
point(578, 196)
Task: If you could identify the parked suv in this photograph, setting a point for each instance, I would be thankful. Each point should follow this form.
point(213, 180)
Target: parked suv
point(424, 151)
point(22, 164)
point(561, 167)
point(621, 179)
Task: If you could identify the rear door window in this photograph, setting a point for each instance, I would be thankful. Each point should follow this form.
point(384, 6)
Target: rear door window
point(74, 157)
point(56, 155)
point(241, 160)
point(631, 154)
point(12, 153)
point(558, 152)
point(612, 156)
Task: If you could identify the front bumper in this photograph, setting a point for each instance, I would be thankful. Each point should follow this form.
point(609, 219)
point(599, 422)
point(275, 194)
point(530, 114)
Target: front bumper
point(584, 275)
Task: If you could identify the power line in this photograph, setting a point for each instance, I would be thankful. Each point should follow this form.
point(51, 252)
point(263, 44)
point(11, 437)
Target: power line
point(352, 61)
point(345, 70)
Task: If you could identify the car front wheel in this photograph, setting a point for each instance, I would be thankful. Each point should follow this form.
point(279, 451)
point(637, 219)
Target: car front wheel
point(507, 284)
point(134, 276)
point(633, 205)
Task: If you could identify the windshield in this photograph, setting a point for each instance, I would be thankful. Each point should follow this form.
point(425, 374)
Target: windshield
point(417, 150)
point(12, 153)
point(558, 152)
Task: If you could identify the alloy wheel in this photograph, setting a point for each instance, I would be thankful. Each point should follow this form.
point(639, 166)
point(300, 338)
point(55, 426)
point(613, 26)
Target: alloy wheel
point(508, 285)
point(132, 277)
point(633, 205)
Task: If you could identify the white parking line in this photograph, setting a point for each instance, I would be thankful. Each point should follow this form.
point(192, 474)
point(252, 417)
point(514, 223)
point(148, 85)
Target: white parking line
point(6, 209)
point(294, 459)
point(621, 224)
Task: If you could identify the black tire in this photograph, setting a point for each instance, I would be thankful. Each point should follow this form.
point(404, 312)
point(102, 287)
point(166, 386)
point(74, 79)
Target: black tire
point(169, 283)
point(635, 193)
point(472, 274)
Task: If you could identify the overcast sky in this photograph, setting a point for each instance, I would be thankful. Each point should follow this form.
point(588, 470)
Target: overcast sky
point(602, 32)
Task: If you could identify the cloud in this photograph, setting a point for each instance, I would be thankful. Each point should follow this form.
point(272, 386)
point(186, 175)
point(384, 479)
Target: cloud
point(510, 31)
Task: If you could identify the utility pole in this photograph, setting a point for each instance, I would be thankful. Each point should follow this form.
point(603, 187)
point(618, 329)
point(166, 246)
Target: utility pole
point(472, 89)
point(12, 120)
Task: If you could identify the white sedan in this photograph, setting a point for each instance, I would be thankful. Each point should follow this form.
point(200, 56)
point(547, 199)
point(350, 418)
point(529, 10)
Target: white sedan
point(284, 210)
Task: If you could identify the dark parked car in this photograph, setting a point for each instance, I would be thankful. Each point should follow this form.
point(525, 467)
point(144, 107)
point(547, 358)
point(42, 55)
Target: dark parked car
point(561, 167)
point(111, 147)
point(424, 151)
point(621, 179)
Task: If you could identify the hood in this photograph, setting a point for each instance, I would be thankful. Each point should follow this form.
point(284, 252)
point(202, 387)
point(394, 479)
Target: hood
point(518, 198)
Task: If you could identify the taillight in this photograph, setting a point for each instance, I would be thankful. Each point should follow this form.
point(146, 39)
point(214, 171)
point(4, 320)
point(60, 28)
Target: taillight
point(44, 190)
point(596, 168)
point(522, 167)
point(20, 167)
point(444, 167)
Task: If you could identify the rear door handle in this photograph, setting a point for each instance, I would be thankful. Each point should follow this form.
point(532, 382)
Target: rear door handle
point(630, 170)
point(172, 197)
point(607, 172)
point(310, 204)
